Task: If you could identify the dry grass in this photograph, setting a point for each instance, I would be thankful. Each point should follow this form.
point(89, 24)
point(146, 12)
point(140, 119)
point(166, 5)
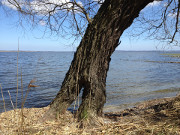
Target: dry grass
point(156, 117)
point(32, 125)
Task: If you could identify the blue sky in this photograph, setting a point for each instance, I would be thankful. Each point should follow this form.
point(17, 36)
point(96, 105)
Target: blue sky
point(28, 39)
point(32, 39)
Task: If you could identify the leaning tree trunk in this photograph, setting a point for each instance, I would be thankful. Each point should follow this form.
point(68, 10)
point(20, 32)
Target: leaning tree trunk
point(89, 67)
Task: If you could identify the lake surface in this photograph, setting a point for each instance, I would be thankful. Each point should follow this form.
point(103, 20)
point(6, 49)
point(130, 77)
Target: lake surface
point(133, 77)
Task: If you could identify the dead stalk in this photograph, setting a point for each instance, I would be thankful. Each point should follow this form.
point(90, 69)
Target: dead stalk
point(3, 98)
point(11, 100)
point(27, 92)
point(17, 73)
point(22, 114)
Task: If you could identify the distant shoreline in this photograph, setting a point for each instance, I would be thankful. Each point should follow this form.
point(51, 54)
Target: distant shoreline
point(115, 51)
point(17, 51)
point(32, 51)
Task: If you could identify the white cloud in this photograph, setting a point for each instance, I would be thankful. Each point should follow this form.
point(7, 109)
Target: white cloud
point(6, 3)
point(154, 3)
point(58, 2)
point(99, 1)
point(80, 3)
point(40, 7)
point(44, 6)
point(173, 15)
point(42, 23)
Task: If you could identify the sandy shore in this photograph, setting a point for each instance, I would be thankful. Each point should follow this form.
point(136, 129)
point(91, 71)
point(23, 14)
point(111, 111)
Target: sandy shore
point(161, 116)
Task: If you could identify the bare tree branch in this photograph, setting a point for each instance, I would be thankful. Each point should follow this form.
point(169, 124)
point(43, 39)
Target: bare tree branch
point(177, 22)
point(70, 17)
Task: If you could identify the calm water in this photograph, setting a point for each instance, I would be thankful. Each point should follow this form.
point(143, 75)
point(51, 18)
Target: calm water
point(131, 78)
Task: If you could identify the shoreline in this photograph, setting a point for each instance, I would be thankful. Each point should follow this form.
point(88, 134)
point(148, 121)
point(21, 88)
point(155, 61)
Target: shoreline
point(107, 109)
point(149, 117)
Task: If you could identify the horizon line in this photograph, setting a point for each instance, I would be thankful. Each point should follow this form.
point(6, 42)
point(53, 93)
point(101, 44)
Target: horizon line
point(75, 51)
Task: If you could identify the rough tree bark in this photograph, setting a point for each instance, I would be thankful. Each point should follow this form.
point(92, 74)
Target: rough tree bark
point(89, 67)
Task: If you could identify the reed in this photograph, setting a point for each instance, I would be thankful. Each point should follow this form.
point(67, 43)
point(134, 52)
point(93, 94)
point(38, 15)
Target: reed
point(140, 122)
point(3, 99)
point(17, 72)
point(11, 100)
point(22, 113)
point(18, 117)
point(143, 121)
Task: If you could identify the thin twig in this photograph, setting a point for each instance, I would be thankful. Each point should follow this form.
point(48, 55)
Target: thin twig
point(17, 73)
point(22, 114)
point(21, 91)
point(11, 100)
point(3, 98)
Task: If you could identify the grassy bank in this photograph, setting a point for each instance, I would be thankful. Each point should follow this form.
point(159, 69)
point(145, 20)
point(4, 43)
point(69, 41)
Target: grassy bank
point(157, 117)
point(172, 54)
